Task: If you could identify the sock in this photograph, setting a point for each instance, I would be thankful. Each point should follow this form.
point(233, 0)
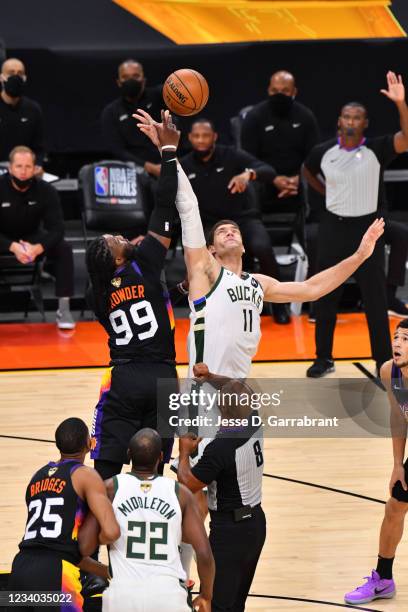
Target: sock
point(391, 291)
point(63, 304)
point(384, 567)
point(186, 556)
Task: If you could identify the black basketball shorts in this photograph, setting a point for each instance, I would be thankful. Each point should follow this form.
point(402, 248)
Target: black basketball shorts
point(128, 403)
point(46, 570)
point(398, 492)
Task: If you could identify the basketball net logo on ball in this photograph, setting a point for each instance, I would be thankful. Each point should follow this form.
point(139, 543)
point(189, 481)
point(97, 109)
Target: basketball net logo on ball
point(185, 92)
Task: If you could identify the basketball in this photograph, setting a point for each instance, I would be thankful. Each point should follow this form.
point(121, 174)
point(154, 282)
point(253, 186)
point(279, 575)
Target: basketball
point(185, 92)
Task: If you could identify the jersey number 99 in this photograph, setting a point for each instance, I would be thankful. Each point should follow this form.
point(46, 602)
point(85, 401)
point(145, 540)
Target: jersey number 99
point(121, 325)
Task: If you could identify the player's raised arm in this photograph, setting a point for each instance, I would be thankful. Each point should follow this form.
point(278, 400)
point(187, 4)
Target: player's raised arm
point(323, 283)
point(202, 268)
point(162, 218)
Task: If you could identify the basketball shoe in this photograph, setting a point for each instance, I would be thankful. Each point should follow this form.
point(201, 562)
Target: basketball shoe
point(374, 588)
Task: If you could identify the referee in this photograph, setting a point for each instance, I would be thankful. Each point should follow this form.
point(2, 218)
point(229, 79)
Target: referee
point(351, 168)
point(231, 466)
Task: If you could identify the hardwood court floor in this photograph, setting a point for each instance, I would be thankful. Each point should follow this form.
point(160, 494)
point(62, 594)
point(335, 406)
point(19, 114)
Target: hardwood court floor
point(319, 544)
point(42, 345)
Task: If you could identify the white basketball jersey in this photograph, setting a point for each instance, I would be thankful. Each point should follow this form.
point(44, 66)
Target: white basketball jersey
point(225, 326)
point(150, 520)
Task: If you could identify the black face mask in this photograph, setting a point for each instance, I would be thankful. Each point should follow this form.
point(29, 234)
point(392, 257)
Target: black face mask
point(281, 104)
point(14, 86)
point(200, 155)
point(21, 183)
point(131, 88)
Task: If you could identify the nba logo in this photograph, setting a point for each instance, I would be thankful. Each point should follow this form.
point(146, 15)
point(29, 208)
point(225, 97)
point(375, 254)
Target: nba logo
point(101, 181)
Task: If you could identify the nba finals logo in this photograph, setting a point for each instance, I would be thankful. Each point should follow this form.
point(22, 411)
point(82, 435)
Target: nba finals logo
point(52, 471)
point(145, 486)
point(101, 181)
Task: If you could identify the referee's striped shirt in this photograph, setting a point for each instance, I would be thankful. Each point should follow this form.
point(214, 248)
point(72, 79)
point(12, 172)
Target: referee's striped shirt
point(353, 177)
point(232, 467)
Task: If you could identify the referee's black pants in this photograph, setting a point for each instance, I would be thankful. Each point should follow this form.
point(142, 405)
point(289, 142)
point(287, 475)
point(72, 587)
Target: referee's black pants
point(339, 237)
point(236, 548)
point(396, 235)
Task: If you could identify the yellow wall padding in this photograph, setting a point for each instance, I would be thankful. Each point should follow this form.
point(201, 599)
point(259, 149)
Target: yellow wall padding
point(219, 21)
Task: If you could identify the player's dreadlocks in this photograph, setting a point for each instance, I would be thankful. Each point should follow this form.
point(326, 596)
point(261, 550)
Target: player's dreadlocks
point(101, 267)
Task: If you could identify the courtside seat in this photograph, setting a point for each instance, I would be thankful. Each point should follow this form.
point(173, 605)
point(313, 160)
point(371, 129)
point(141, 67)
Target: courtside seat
point(112, 198)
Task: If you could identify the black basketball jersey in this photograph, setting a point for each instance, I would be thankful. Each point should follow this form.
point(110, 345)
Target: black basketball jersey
point(55, 511)
point(398, 389)
point(140, 322)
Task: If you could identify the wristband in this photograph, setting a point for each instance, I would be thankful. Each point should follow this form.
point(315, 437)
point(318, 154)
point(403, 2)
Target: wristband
point(172, 147)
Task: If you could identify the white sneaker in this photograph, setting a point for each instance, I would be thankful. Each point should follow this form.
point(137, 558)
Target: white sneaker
point(65, 320)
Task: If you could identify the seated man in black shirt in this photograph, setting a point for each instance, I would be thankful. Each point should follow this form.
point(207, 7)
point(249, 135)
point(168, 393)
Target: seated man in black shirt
point(220, 176)
point(31, 223)
point(123, 141)
point(280, 131)
point(21, 119)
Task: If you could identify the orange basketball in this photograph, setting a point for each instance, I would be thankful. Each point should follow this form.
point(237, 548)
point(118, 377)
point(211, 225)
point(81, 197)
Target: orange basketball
point(185, 92)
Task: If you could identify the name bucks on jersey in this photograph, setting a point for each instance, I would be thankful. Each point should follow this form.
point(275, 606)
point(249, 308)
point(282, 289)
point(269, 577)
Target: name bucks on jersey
point(225, 325)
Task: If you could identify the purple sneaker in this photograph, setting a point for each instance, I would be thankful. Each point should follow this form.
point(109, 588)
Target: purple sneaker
point(374, 588)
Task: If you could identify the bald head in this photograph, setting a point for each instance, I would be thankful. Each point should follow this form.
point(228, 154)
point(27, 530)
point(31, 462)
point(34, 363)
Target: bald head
point(282, 82)
point(13, 66)
point(145, 448)
point(130, 69)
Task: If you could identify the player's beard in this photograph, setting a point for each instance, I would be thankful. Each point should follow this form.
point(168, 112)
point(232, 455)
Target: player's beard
point(128, 250)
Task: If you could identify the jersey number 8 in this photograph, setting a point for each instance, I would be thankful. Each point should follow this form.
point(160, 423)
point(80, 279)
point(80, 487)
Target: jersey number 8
point(121, 325)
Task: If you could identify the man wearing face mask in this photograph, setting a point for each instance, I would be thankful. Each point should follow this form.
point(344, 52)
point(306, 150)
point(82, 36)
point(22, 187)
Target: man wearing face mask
point(220, 176)
point(123, 141)
point(280, 131)
point(21, 119)
point(31, 224)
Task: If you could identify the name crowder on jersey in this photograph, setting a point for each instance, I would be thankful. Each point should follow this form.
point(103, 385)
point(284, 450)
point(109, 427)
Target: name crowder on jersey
point(243, 293)
point(155, 503)
point(133, 292)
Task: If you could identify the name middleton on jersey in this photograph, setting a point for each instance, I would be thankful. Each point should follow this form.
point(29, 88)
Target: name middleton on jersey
point(155, 503)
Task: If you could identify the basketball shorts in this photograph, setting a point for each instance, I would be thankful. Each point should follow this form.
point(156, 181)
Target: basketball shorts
point(128, 402)
point(46, 570)
point(398, 492)
point(153, 593)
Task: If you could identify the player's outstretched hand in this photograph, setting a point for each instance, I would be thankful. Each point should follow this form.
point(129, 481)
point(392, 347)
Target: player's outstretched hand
point(370, 238)
point(396, 89)
point(161, 134)
point(201, 604)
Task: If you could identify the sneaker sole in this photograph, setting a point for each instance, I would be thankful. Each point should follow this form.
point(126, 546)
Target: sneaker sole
point(368, 599)
point(66, 325)
point(393, 313)
point(328, 371)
